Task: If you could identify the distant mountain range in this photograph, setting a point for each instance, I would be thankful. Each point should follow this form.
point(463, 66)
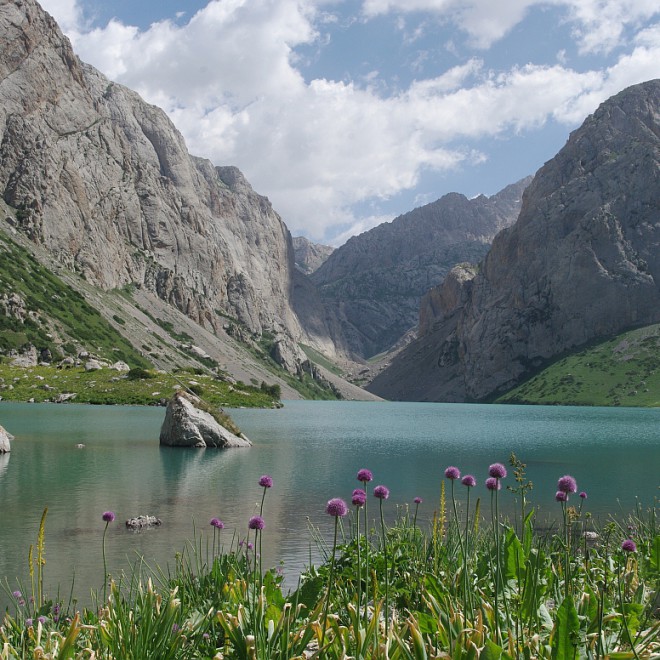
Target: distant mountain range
point(99, 188)
point(581, 264)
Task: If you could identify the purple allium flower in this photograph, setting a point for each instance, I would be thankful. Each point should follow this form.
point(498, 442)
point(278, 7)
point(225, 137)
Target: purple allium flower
point(56, 609)
point(567, 484)
point(256, 522)
point(175, 628)
point(418, 500)
point(41, 620)
point(336, 507)
point(629, 546)
point(217, 523)
point(497, 470)
point(29, 623)
point(583, 495)
point(469, 481)
point(206, 636)
point(381, 492)
point(16, 594)
point(452, 473)
point(250, 545)
point(365, 475)
point(561, 496)
point(492, 483)
point(108, 516)
point(359, 497)
point(266, 481)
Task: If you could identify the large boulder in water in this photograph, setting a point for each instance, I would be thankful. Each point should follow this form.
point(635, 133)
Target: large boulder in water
point(5, 438)
point(185, 425)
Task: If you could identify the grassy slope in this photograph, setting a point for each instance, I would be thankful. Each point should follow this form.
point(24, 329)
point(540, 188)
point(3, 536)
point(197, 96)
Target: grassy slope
point(624, 371)
point(61, 319)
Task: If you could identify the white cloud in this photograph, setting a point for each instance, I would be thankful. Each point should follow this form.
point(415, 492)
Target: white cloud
point(229, 80)
point(599, 25)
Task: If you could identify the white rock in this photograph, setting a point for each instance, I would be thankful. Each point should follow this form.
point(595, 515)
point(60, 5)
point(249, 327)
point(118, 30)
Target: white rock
point(188, 426)
point(5, 438)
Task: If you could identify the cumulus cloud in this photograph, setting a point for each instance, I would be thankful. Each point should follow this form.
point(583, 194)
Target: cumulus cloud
point(230, 80)
point(598, 25)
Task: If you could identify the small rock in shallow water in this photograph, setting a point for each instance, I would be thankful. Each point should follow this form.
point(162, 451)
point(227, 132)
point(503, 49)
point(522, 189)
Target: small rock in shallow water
point(140, 522)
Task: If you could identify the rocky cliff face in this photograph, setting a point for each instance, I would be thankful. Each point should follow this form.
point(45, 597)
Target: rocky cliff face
point(581, 263)
point(309, 256)
point(104, 182)
point(372, 285)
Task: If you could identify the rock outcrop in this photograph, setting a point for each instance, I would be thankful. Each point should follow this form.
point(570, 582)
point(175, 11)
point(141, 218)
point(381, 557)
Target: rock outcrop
point(372, 286)
point(309, 256)
point(581, 263)
point(185, 425)
point(5, 441)
point(104, 182)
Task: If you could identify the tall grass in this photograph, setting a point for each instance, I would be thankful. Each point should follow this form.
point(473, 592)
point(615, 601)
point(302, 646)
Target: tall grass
point(458, 590)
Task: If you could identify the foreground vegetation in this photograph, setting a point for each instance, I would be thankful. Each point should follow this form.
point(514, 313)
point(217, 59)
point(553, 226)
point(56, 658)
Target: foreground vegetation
point(465, 588)
point(624, 371)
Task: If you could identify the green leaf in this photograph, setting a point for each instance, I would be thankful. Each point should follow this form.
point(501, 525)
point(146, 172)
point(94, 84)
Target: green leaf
point(655, 554)
point(513, 556)
point(565, 635)
point(491, 651)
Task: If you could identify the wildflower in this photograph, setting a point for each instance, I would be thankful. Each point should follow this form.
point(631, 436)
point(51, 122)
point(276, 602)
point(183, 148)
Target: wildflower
point(336, 507)
point(561, 496)
point(629, 546)
point(497, 470)
point(266, 481)
point(452, 473)
point(108, 516)
point(217, 523)
point(359, 497)
point(29, 623)
point(175, 628)
point(256, 522)
point(492, 483)
point(469, 481)
point(567, 484)
point(365, 475)
point(583, 495)
point(250, 545)
point(16, 594)
point(206, 636)
point(41, 620)
point(418, 500)
point(381, 492)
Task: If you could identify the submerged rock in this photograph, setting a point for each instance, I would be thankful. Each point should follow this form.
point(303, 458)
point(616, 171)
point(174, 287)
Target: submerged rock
point(5, 438)
point(140, 522)
point(185, 425)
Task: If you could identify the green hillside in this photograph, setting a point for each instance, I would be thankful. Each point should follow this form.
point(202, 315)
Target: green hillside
point(624, 371)
point(53, 316)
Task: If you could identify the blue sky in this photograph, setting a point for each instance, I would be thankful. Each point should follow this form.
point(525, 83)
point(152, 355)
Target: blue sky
point(347, 113)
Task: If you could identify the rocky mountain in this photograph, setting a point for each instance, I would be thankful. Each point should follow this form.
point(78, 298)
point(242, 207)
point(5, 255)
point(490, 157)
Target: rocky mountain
point(372, 285)
point(103, 181)
point(309, 256)
point(581, 263)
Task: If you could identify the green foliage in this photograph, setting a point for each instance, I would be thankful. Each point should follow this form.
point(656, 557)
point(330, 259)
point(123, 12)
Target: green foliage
point(624, 371)
point(54, 308)
point(107, 386)
point(218, 603)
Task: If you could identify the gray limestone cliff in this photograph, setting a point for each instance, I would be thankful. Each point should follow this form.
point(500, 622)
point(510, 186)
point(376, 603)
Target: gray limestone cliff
point(309, 256)
point(582, 263)
point(104, 182)
point(372, 286)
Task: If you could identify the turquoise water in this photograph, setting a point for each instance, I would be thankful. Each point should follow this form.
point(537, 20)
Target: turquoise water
point(313, 451)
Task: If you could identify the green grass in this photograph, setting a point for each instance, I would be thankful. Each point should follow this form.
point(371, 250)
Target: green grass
point(466, 588)
point(624, 371)
point(107, 386)
point(56, 310)
point(318, 358)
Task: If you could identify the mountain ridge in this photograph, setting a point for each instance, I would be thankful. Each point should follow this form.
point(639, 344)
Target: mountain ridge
point(581, 262)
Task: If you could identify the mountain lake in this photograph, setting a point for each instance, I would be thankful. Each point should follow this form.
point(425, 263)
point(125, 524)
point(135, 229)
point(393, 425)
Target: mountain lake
point(312, 450)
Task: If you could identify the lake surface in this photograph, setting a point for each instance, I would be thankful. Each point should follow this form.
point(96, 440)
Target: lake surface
point(313, 451)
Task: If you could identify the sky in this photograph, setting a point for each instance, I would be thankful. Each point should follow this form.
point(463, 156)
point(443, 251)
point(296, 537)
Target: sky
point(348, 113)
